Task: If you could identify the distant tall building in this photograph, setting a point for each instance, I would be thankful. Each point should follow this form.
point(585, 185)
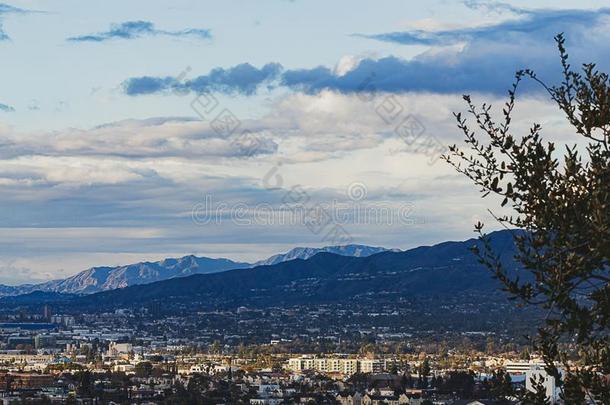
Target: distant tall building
point(47, 312)
point(44, 341)
point(66, 320)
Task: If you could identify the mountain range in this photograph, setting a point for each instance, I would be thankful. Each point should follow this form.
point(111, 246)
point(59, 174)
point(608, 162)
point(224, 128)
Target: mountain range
point(97, 279)
point(306, 252)
point(448, 269)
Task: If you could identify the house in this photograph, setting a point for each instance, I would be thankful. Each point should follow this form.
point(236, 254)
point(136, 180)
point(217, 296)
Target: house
point(410, 399)
point(373, 399)
point(345, 398)
point(384, 397)
point(266, 401)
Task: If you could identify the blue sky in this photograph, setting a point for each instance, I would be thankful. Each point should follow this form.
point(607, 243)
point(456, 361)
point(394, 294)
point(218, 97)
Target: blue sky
point(103, 159)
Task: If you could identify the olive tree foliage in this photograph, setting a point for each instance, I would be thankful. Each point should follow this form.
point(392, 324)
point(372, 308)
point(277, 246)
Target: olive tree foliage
point(561, 202)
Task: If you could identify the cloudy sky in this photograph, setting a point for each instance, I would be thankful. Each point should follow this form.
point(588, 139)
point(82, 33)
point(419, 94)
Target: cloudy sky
point(140, 129)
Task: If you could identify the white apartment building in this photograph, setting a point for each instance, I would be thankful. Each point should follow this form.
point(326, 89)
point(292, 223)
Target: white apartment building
point(520, 367)
point(335, 365)
point(538, 372)
point(370, 366)
point(119, 350)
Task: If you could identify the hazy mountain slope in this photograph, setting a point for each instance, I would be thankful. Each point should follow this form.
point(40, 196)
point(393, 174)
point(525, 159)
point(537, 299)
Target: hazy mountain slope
point(37, 298)
point(98, 279)
point(306, 253)
point(447, 268)
point(9, 290)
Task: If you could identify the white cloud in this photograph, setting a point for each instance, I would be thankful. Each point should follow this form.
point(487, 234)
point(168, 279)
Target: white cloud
point(130, 186)
point(348, 63)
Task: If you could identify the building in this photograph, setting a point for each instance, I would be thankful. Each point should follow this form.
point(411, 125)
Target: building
point(266, 401)
point(370, 366)
point(538, 373)
point(44, 341)
point(372, 399)
point(120, 349)
point(520, 367)
point(349, 399)
point(65, 320)
point(124, 368)
point(16, 342)
point(336, 365)
point(18, 381)
point(47, 312)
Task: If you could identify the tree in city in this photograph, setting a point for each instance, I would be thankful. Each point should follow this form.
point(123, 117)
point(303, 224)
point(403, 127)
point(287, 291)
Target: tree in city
point(424, 371)
point(215, 348)
point(501, 387)
point(198, 385)
point(459, 382)
point(368, 349)
point(143, 369)
point(438, 382)
point(538, 395)
point(490, 345)
point(560, 204)
point(406, 381)
point(359, 381)
point(85, 384)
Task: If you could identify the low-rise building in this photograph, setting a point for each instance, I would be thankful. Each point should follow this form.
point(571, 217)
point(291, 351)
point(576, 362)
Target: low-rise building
point(344, 366)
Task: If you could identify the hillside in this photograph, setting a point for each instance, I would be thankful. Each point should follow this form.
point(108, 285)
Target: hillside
point(306, 253)
point(98, 279)
point(445, 269)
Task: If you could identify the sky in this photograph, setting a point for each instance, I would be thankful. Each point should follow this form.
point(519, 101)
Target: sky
point(138, 130)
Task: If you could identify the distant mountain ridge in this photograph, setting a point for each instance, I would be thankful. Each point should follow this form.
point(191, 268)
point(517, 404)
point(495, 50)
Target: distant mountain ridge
point(430, 288)
point(448, 269)
point(98, 279)
point(305, 253)
point(104, 278)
